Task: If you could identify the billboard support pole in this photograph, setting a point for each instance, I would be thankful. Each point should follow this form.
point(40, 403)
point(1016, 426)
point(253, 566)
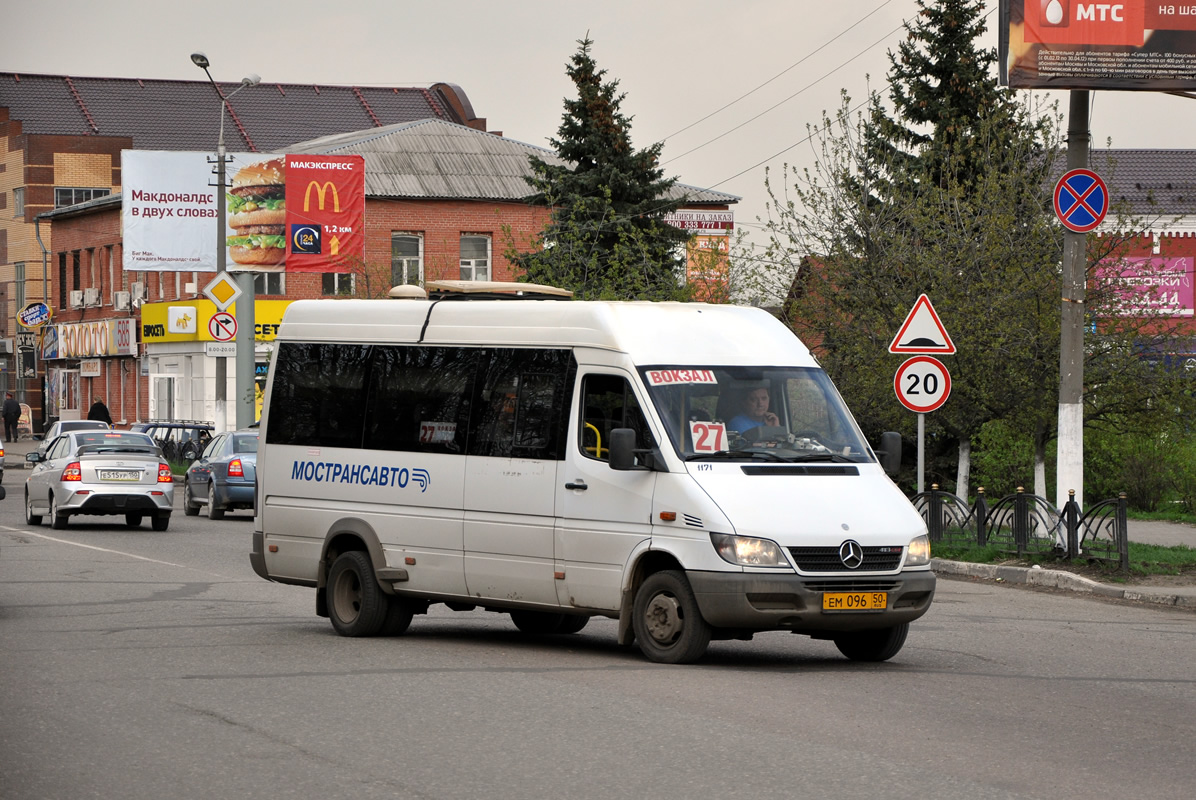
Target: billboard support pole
point(1070, 442)
point(245, 337)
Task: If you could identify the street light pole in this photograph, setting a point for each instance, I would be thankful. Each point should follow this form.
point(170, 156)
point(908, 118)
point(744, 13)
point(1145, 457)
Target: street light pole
point(245, 359)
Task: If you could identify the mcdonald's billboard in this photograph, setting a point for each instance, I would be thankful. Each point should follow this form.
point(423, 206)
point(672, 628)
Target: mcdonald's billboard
point(1098, 44)
point(325, 212)
point(301, 213)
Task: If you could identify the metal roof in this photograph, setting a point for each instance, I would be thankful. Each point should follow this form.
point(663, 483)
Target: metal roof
point(185, 115)
point(432, 158)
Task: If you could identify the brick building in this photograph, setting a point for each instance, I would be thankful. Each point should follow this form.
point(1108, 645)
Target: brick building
point(60, 144)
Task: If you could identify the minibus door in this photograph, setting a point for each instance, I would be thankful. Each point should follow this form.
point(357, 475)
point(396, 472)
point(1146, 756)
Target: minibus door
point(602, 514)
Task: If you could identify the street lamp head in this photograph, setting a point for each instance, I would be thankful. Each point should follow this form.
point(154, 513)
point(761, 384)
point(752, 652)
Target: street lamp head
point(252, 79)
point(200, 60)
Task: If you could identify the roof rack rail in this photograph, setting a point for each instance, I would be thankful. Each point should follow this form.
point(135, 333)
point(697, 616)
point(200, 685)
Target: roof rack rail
point(486, 290)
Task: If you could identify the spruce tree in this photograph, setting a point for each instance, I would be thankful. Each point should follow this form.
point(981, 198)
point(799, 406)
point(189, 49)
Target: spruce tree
point(606, 237)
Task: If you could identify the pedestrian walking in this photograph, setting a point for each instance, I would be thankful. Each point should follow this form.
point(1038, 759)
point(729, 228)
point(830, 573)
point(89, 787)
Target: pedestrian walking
point(100, 411)
point(12, 415)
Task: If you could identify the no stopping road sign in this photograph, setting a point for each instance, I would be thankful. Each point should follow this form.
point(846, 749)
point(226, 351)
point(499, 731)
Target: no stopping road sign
point(922, 384)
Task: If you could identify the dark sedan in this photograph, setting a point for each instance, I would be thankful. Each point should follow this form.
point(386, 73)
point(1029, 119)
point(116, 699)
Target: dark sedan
point(222, 477)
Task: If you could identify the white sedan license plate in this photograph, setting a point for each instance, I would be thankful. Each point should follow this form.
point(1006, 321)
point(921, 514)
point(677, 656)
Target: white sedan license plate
point(120, 475)
point(854, 601)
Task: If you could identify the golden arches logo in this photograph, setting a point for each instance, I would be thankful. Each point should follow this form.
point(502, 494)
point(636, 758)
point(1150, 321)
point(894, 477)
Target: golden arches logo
point(321, 190)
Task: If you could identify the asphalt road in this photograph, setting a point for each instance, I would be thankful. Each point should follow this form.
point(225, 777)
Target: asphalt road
point(136, 664)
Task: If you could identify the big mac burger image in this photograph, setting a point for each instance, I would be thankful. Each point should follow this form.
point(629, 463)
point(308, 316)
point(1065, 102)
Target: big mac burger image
point(257, 214)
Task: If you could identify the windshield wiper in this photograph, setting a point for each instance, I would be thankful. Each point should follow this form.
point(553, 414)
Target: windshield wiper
point(835, 457)
point(730, 455)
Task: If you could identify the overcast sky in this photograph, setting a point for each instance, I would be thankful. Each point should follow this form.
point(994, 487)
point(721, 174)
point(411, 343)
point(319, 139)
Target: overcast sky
point(780, 62)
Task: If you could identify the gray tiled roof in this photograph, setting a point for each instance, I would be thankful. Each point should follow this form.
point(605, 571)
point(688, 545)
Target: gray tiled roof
point(185, 115)
point(436, 159)
point(1150, 182)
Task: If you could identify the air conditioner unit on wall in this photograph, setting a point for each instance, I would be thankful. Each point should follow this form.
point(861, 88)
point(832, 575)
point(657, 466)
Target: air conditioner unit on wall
point(76, 298)
point(137, 290)
point(121, 301)
point(91, 297)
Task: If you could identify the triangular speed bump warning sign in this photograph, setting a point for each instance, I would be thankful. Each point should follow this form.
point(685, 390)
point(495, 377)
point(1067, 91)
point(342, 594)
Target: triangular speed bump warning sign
point(922, 332)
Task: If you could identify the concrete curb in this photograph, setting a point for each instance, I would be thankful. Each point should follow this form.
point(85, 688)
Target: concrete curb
point(1058, 579)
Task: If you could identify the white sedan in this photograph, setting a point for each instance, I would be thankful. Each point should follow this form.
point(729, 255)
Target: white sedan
point(100, 472)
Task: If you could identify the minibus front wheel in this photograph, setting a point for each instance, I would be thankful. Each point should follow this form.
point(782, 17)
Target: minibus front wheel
point(669, 628)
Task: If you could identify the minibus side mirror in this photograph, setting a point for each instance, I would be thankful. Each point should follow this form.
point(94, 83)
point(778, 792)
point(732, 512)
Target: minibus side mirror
point(890, 452)
point(622, 449)
point(623, 452)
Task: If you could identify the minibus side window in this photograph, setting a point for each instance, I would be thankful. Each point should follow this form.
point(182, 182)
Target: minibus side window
point(318, 395)
point(521, 400)
point(419, 399)
point(607, 403)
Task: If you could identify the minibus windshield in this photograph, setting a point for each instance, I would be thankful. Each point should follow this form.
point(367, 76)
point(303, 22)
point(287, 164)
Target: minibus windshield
point(791, 414)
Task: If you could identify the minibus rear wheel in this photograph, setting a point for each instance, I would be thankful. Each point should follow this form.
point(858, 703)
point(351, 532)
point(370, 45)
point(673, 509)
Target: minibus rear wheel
point(879, 644)
point(357, 605)
point(669, 628)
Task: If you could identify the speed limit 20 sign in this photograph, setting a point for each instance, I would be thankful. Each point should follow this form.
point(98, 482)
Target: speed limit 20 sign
point(922, 384)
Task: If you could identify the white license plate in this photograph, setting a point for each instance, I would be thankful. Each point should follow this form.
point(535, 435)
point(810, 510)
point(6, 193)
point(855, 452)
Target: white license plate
point(120, 475)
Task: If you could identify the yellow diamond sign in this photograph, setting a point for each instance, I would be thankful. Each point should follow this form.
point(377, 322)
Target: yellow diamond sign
point(223, 291)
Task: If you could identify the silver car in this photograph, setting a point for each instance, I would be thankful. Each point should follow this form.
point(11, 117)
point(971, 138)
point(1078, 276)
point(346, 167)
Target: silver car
point(100, 472)
point(66, 426)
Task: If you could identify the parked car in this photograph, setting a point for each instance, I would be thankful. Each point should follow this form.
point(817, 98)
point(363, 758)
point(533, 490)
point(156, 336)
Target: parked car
point(222, 478)
point(66, 425)
point(100, 472)
point(180, 439)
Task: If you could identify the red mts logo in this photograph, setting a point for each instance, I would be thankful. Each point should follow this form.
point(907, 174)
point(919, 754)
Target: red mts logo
point(1086, 22)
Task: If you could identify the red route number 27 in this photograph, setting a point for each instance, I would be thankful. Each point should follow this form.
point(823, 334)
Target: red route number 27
point(708, 437)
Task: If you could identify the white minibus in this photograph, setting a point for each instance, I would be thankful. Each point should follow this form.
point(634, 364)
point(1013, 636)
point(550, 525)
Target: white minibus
point(686, 469)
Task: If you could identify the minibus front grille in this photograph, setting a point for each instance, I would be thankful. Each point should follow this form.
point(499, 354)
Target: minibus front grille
point(851, 586)
point(826, 559)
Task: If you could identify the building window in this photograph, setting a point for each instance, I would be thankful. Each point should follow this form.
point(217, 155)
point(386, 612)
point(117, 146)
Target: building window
point(18, 201)
point(69, 197)
point(338, 283)
point(269, 283)
point(19, 281)
point(76, 270)
point(62, 290)
point(406, 259)
point(475, 258)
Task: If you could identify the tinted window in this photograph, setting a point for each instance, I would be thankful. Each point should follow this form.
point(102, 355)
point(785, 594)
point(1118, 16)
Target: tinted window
point(418, 399)
point(318, 395)
point(520, 404)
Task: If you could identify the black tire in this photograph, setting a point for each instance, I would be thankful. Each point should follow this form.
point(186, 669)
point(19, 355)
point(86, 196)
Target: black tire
point(669, 628)
point(160, 522)
point(878, 644)
point(399, 612)
point(537, 623)
point(133, 520)
point(572, 623)
point(357, 605)
point(30, 517)
point(214, 511)
point(57, 518)
point(190, 507)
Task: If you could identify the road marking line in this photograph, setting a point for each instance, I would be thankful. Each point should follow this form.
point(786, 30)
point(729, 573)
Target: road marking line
point(108, 550)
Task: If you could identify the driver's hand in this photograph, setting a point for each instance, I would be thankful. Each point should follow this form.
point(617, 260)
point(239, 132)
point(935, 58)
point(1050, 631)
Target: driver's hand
point(771, 419)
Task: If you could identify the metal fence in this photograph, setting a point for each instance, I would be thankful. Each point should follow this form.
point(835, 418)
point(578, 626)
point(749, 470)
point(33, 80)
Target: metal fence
point(1026, 524)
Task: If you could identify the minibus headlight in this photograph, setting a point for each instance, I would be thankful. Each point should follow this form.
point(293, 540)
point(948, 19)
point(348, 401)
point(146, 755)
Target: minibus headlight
point(919, 552)
point(747, 551)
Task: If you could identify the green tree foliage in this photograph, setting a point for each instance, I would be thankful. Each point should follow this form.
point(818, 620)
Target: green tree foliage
point(951, 197)
point(606, 237)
